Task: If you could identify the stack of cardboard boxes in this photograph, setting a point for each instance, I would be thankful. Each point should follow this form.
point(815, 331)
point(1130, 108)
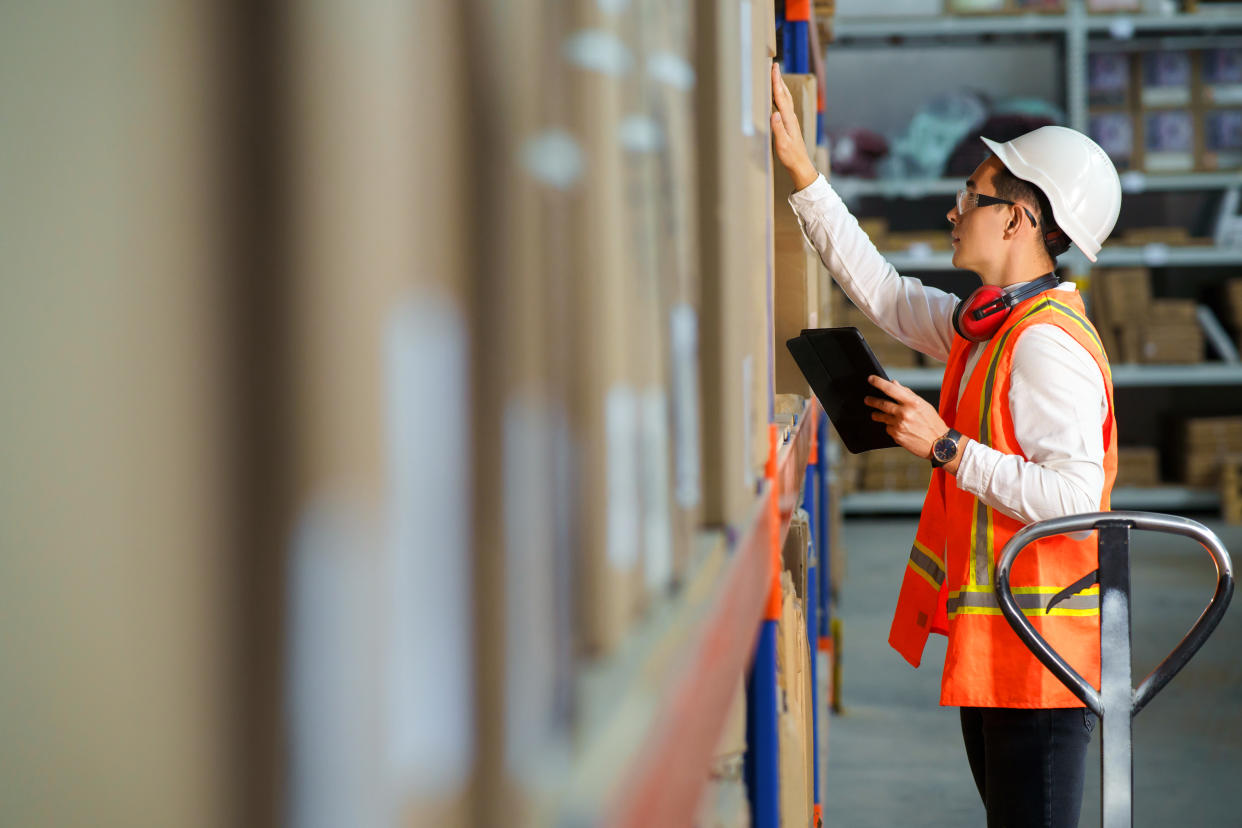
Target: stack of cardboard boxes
point(1138, 466)
point(1168, 111)
point(797, 304)
point(893, 469)
point(793, 664)
point(735, 245)
point(1233, 307)
point(1205, 443)
point(1134, 327)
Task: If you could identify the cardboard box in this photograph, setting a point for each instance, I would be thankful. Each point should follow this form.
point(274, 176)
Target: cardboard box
point(1174, 311)
point(735, 243)
point(1120, 295)
point(1169, 142)
point(1171, 343)
point(1221, 82)
point(793, 666)
point(796, 304)
point(1212, 434)
point(1138, 466)
point(795, 552)
point(1115, 133)
point(1221, 135)
point(1167, 78)
point(1108, 79)
point(607, 406)
point(1233, 303)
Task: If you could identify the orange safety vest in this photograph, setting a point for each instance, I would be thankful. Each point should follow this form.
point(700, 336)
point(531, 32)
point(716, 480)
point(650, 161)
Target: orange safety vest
point(947, 585)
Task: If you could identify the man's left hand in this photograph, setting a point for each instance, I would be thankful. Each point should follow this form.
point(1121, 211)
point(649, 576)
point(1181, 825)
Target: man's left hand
point(912, 421)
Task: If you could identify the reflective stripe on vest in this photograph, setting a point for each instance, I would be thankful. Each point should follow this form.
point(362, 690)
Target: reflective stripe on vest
point(1031, 600)
point(927, 564)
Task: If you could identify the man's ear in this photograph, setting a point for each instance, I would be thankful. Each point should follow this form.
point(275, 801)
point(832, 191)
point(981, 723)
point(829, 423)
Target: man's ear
point(1016, 217)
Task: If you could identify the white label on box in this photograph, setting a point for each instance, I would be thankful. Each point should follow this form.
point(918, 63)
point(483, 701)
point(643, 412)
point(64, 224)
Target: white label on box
point(684, 342)
point(598, 51)
point(1166, 162)
point(336, 697)
point(1166, 96)
point(641, 134)
point(431, 696)
point(657, 525)
point(748, 112)
point(554, 158)
point(531, 596)
point(748, 419)
point(1223, 95)
point(671, 69)
point(621, 431)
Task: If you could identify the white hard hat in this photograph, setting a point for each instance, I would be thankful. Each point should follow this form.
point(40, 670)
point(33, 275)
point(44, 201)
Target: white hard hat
point(1075, 174)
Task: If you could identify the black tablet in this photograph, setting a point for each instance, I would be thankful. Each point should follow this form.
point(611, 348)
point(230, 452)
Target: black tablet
point(836, 362)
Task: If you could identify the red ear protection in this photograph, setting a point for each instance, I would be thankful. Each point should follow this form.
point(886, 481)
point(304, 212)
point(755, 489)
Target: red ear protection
point(979, 316)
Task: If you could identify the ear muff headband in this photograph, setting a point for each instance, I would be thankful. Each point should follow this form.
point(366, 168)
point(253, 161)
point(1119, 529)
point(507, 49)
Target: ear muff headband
point(979, 316)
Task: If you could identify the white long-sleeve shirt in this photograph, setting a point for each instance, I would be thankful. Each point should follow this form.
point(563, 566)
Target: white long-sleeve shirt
point(1057, 395)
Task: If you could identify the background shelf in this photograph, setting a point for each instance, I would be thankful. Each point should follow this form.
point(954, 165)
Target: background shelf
point(1158, 499)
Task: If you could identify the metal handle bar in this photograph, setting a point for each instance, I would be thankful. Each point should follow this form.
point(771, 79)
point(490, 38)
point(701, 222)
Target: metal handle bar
point(1187, 647)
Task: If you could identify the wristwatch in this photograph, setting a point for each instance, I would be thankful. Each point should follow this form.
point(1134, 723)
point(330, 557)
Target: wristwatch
point(945, 448)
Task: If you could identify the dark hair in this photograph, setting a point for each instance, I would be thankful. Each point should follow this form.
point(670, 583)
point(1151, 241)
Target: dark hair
point(1009, 186)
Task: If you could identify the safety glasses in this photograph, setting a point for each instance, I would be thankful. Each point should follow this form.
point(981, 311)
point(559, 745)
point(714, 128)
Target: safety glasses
point(969, 199)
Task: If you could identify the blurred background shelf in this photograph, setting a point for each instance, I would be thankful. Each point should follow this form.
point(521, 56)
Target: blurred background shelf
point(1152, 255)
point(1131, 182)
point(1174, 499)
point(653, 711)
point(1204, 373)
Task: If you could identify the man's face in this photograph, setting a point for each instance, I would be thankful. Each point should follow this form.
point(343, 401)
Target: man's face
point(977, 234)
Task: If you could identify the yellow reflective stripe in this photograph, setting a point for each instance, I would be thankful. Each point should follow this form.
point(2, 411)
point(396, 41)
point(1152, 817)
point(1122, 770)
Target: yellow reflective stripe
point(936, 559)
point(930, 580)
point(1090, 330)
point(1032, 611)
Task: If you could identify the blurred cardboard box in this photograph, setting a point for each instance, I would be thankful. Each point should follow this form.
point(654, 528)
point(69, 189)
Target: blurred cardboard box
point(1138, 466)
point(1168, 141)
point(793, 668)
point(1170, 343)
point(796, 304)
point(1204, 444)
point(1221, 139)
point(1233, 302)
point(1108, 79)
point(1167, 78)
point(735, 239)
point(1221, 82)
point(1114, 132)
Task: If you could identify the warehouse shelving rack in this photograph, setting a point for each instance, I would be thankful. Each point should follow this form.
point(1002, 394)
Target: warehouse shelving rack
point(1074, 28)
point(660, 702)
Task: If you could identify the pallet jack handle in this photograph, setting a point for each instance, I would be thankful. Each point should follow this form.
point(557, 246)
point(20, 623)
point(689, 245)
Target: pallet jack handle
point(1116, 702)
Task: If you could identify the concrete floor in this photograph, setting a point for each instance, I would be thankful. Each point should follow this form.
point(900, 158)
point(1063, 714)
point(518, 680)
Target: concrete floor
point(896, 758)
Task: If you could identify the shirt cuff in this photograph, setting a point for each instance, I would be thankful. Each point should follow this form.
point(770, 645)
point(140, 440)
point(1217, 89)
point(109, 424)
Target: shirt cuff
point(974, 471)
point(810, 194)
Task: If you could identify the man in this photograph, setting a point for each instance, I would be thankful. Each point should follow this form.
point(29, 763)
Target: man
point(1024, 432)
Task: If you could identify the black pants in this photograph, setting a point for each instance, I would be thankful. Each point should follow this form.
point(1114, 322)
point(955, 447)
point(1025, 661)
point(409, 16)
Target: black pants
point(1028, 764)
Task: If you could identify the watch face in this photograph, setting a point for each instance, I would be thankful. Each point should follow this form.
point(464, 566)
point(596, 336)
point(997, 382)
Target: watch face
point(944, 449)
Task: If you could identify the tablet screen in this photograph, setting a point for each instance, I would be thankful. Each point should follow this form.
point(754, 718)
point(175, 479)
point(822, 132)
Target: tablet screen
point(836, 362)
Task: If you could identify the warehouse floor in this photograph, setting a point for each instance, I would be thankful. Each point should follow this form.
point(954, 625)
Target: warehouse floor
point(896, 758)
